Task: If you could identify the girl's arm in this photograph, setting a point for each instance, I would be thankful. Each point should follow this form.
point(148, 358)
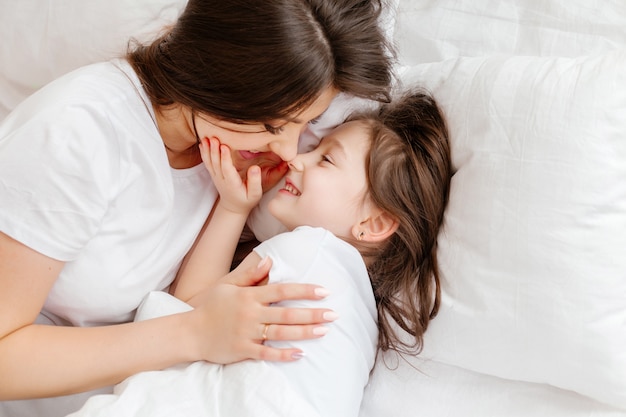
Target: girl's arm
point(225, 326)
point(212, 254)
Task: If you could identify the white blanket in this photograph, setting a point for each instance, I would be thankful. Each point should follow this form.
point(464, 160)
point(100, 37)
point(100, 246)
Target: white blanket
point(249, 388)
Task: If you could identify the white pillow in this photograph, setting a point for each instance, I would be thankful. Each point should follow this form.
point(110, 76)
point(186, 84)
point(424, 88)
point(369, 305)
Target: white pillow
point(434, 30)
point(43, 40)
point(532, 250)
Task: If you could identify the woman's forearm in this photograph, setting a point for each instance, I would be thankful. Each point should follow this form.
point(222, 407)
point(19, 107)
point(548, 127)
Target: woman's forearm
point(40, 361)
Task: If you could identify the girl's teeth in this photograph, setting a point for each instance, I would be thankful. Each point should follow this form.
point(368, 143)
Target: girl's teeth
point(292, 190)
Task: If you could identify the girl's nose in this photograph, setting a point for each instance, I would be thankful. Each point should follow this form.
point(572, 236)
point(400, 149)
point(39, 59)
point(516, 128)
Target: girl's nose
point(297, 163)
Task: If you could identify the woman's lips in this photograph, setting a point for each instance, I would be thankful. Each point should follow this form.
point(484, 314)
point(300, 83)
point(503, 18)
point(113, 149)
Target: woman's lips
point(251, 154)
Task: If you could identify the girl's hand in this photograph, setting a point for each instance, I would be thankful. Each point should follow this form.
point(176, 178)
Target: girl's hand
point(272, 171)
point(236, 195)
point(234, 320)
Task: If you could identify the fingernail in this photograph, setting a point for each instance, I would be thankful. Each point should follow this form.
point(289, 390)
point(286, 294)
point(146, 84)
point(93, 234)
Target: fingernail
point(320, 331)
point(262, 263)
point(322, 292)
point(298, 355)
point(330, 316)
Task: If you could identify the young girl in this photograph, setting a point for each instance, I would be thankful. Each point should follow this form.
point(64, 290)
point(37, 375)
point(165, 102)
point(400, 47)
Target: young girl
point(364, 209)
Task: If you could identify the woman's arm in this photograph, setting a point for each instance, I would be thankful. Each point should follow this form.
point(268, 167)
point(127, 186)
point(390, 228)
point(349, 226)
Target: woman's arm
point(224, 327)
point(212, 254)
point(53, 360)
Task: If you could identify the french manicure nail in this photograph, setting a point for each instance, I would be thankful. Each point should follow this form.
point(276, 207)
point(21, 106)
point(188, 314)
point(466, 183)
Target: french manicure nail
point(320, 331)
point(298, 355)
point(330, 316)
point(322, 292)
point(262, 263)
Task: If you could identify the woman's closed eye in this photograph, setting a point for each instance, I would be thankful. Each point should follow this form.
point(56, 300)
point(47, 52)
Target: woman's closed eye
point(314, 121)
point(274, 130)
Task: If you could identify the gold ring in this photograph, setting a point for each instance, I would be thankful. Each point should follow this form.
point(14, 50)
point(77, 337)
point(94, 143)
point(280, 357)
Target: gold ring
point(267, 325)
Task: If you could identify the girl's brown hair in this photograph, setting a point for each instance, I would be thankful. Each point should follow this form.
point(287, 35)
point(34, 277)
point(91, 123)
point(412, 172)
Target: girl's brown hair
point(408, 172)
point(261, 60)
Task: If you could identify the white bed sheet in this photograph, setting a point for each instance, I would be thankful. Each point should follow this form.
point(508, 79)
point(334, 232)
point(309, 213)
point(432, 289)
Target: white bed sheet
point(412, 387)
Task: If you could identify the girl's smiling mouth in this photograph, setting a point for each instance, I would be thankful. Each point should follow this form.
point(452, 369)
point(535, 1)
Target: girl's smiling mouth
point(290, 188)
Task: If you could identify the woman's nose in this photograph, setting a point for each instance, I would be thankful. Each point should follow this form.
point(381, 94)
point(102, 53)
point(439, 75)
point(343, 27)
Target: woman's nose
point(286, 148)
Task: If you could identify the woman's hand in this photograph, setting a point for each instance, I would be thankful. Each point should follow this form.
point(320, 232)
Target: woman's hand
point(236, 195)
point(234, 316)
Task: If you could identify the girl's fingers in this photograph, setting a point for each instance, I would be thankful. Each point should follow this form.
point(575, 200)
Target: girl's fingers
point(205, 153)
point(253, 183)
point(216, 159)
point(273, 174)
point(208, 153)
point(229, 172)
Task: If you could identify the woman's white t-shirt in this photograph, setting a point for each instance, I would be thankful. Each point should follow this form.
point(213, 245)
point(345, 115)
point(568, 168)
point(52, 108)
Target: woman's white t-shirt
point(84, 178)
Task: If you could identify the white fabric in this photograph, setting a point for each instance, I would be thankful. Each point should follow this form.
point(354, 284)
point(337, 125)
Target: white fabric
point(245, 389)
point(327, 382)
point(532, 251)
point(436, 30)
point(107, 202)
point(416, 387)
point(336, 369)
point(65, 35)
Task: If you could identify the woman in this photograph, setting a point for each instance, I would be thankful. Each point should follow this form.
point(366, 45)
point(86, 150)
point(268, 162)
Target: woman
point(102, 192)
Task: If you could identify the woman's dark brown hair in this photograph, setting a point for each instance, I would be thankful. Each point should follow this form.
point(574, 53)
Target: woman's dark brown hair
point(261, 60)
point(409, 173)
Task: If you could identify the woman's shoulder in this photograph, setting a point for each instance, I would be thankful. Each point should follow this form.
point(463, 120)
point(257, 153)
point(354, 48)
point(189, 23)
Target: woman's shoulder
point(96, 110)
point(94, 91)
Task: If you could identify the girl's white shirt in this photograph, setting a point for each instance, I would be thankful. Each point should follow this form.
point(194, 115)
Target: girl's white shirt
point(335, 370)
point(84, 178)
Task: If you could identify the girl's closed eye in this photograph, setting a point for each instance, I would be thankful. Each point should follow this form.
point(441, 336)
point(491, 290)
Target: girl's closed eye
point(327, 158)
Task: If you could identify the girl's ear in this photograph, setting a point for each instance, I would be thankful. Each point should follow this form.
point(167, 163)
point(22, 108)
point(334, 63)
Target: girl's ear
point(376, 228)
